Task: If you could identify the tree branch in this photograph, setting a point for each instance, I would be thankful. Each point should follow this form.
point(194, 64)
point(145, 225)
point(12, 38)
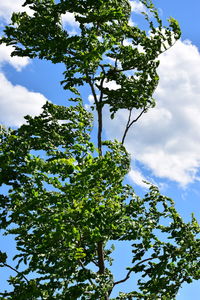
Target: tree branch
point(15, 270)
point(129, 124)
point(100, 253)
point(98, 104)
point(130, 271)
point(100, 118)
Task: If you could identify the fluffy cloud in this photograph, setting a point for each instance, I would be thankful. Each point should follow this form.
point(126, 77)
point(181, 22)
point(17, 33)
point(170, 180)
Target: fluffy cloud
point(167, 139)
point(6, 9)
point(16, 102)
point(17, 62)
point(137, 7)
point(9, 6)
point(137, 177)
point(69, 19)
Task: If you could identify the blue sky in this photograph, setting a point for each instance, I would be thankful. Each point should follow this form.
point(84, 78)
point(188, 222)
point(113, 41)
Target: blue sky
point(165, 143)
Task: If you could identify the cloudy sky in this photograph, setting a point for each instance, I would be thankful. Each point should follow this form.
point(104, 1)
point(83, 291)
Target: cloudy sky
point(165, 143)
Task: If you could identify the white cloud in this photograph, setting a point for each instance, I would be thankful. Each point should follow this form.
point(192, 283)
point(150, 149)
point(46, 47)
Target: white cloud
point(91, 99)
point(69, 19)
point(137, 177)
point(131, 23)
point(17, 62)
point(137, 7)
point(7, 7)
point(167, 139)
point(16, 102)
point(111, 85)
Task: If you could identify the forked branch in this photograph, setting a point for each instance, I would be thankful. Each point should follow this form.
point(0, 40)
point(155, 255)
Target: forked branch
point(130, 123)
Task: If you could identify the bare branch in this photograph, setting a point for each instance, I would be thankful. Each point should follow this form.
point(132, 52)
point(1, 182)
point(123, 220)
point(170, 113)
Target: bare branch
point(131, 270)
point(15, 270)
point(127, 125)
point(98, 103)
point(99, 112)
point(130, 123)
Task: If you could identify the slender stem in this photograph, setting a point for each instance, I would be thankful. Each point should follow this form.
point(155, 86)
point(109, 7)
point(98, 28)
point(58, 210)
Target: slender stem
point(129, 124)
point(100, 126)
point(98, 104)
point(100, 115)
point(8, 266)
point(130, 271)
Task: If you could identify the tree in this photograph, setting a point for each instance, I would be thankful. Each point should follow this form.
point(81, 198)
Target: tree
point(67, 197)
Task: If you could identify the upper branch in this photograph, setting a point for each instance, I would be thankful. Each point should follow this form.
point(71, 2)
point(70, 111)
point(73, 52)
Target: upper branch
point(99, 107)
point(130, 123)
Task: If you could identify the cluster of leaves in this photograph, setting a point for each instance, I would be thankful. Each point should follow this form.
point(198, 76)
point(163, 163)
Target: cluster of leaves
point(105, 47)
point(64, 200)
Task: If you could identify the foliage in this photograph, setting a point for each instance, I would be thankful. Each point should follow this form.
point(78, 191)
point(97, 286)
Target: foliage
point(106, 49)
point(67, 199)
point(64, 200)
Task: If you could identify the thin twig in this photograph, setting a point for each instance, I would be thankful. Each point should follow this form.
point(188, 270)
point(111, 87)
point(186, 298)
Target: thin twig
point(130, 271)
point(8, 266)
point(99, 116)
point(98, 104)
point(129, 124)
